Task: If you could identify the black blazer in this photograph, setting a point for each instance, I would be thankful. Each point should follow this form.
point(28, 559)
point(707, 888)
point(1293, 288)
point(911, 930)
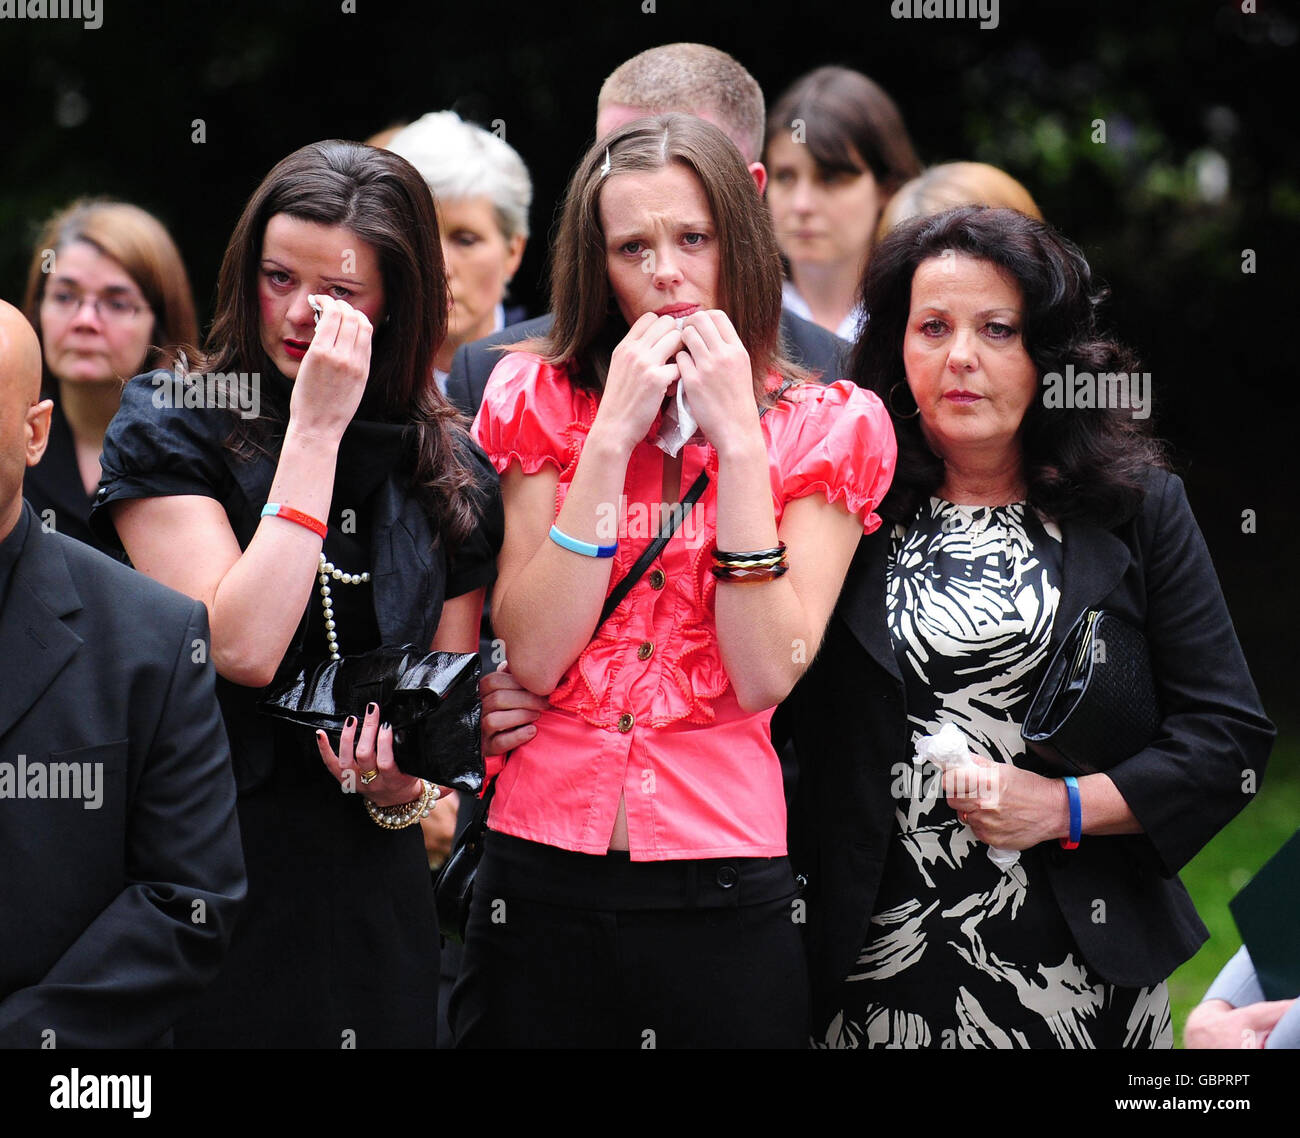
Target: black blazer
point(112, 919)
point(807, 344)
point(848, 720)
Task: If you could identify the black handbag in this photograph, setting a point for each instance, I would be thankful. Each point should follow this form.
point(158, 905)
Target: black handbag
point(430, 698)
point(1097, 703)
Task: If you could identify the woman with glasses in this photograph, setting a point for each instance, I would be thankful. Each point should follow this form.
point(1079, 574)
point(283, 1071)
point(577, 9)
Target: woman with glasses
point(107, 294)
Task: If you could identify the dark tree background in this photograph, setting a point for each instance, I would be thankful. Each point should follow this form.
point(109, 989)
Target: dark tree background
point(1198, 165)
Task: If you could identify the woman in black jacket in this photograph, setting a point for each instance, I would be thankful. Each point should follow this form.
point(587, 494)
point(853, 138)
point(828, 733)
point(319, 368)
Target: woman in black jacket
point(1019, 503)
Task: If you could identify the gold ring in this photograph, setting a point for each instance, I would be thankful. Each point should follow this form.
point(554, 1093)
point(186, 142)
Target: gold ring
point(367, 777)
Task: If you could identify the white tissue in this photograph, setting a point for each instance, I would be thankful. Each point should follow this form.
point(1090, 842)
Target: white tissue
point(947, 750)
point(677, 426)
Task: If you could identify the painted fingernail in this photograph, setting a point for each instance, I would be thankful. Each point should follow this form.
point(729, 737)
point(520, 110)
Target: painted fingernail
point(371, 708)
point(385, 726)
point(350, 721)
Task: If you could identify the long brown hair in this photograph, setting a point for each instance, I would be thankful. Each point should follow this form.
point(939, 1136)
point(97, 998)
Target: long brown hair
point(137, 241)
point(587, 323)
point(383, 200)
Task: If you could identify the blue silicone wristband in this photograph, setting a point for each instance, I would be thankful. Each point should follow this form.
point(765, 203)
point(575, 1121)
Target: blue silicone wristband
point(573, 545)
point(1076, 814)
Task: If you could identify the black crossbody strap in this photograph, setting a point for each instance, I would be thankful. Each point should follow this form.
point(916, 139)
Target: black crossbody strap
point(676, 515)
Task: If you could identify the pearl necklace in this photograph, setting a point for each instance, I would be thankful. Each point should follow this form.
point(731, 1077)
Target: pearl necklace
point(329, 572)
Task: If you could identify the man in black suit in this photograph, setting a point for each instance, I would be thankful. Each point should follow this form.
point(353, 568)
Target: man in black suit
point(697, 80)
point(120, 864)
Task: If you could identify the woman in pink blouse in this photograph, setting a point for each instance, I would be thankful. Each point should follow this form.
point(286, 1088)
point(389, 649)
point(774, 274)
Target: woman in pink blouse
point(634, 891)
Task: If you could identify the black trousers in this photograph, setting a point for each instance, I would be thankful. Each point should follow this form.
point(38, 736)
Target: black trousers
point(572, 950)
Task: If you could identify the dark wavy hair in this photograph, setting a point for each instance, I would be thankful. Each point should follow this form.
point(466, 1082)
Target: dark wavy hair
point(588, 324)
point(1079, 463)
point(383, 200)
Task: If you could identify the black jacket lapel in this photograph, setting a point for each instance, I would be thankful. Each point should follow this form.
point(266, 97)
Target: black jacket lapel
point(1094, 563)
point(35, 644)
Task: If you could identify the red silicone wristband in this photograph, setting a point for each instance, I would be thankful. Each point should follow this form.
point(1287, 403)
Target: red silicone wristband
point(289, 514)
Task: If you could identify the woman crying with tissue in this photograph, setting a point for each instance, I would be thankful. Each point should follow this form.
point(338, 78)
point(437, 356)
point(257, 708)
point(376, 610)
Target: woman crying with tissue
point(1030, 708)
point(634, 889)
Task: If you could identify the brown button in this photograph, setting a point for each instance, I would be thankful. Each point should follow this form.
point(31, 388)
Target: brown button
point(625, 722)
point(644, 651)
point(657, 578)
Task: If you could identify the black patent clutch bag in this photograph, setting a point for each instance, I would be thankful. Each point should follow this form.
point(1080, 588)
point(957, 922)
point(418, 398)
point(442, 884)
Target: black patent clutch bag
point(430, 698)
point(1097, 703)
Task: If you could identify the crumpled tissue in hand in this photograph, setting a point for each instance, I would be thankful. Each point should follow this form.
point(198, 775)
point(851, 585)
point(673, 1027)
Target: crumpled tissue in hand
point(948, 750)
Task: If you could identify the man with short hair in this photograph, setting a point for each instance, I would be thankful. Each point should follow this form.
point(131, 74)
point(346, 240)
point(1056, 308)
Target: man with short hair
point(695, 79)
point(120, 864)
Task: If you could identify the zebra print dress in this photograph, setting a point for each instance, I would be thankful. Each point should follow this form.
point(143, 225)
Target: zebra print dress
point(961, 953)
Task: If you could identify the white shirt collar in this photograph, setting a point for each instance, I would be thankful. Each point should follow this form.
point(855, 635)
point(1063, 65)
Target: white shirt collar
point(849, 326)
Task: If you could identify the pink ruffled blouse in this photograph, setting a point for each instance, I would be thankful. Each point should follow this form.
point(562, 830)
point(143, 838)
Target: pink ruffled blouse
point(647, 710)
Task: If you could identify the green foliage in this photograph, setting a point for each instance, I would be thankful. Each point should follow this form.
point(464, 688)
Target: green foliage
point(1226, 864)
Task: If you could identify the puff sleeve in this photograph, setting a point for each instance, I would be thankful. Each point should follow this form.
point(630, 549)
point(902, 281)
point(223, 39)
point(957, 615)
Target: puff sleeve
point(835, 440)
point(531, 414)
point(156, 447)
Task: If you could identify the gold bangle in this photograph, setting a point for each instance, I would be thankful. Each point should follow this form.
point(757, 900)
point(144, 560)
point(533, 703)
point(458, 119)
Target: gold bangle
point(405, 814)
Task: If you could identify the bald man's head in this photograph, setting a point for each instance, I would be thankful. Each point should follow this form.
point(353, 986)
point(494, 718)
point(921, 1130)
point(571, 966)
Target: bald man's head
point(24, 416)
point(20, 352)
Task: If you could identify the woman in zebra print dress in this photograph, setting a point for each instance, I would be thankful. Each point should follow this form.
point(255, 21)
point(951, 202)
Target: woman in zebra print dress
point(1010, 516)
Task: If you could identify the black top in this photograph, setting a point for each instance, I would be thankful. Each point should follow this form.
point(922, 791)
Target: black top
point(54, 487)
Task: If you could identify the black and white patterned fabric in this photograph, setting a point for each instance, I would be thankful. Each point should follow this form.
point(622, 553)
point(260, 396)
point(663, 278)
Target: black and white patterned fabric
point(960, 952)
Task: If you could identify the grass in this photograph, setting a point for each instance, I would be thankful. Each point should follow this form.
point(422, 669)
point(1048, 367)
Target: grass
point(1227, 863)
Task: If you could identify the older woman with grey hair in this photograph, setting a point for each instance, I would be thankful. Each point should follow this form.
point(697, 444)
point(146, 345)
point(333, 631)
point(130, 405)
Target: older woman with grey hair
point(482, 192)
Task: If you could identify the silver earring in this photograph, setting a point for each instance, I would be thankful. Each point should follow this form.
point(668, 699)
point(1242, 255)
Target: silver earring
point(915, 411)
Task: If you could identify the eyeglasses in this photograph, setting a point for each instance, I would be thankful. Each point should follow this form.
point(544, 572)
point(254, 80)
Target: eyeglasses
point(110, 309)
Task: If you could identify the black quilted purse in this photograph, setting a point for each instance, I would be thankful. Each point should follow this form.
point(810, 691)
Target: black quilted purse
point(1097, 703)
